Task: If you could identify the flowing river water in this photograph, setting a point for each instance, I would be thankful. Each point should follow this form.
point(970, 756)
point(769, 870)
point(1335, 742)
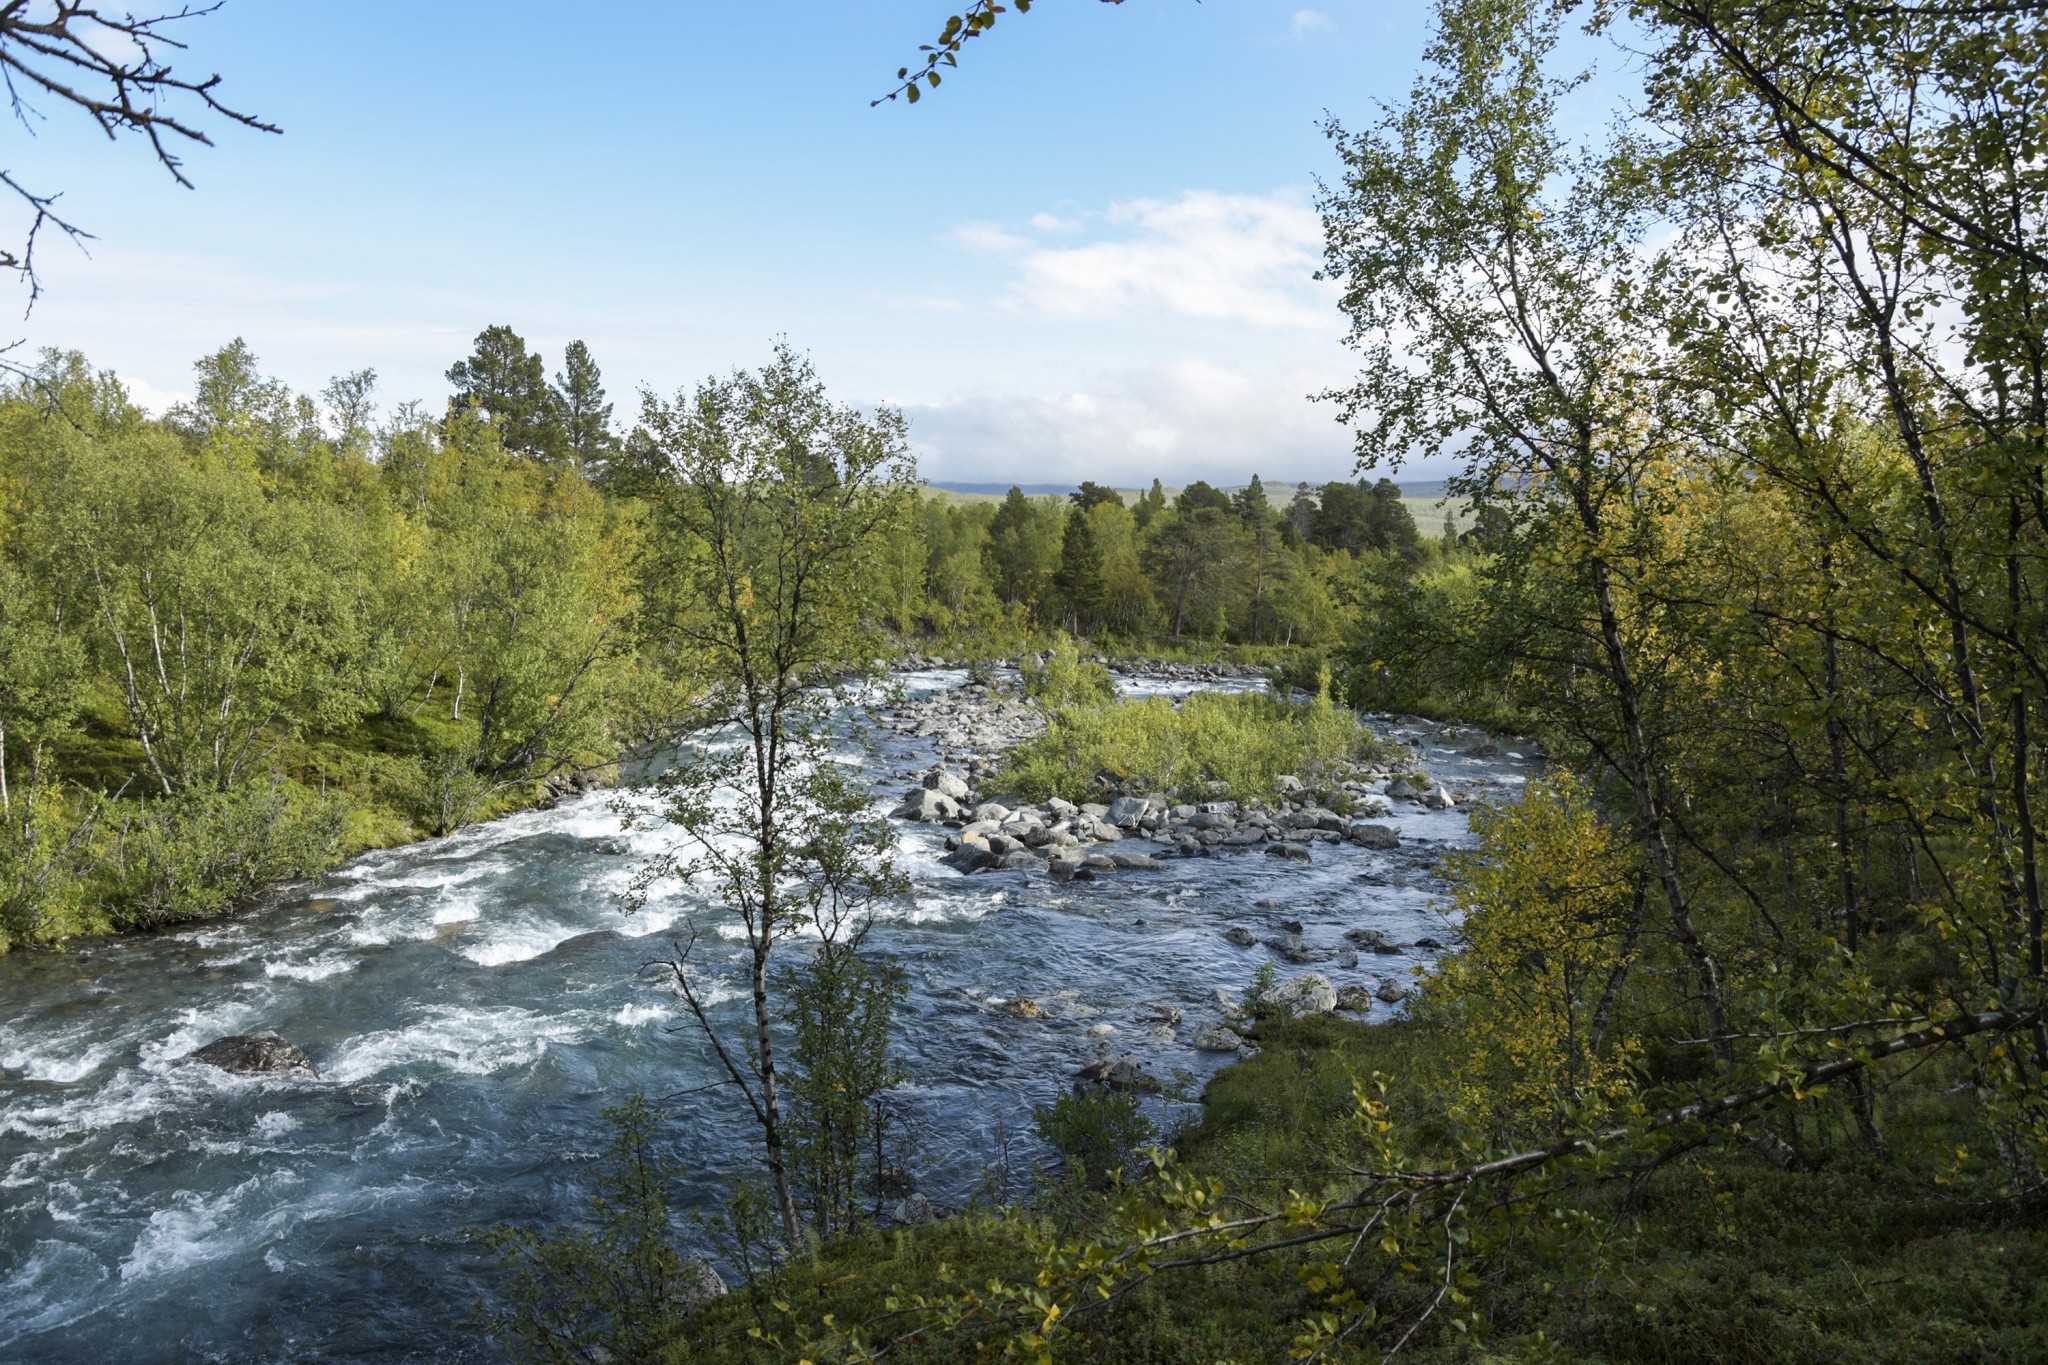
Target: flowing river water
point(473, 1002)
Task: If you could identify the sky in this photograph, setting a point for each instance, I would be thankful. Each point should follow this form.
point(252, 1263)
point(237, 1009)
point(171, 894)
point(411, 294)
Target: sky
point(1089, 255)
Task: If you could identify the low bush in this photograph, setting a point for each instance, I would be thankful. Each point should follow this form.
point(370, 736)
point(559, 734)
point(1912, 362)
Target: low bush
point(1233, 744)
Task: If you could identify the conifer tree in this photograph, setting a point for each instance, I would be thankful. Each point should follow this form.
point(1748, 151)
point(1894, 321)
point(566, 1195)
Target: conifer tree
point(585, 415)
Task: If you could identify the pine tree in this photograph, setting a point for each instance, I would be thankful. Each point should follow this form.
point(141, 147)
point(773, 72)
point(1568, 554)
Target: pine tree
point(506, 382)
point(586, 417)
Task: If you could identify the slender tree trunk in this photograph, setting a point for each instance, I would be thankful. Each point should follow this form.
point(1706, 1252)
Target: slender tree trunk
point(1655, 842)
point(771, 1108)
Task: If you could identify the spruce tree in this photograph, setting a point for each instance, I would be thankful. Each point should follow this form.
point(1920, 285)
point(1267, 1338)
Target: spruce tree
point(1079, 580)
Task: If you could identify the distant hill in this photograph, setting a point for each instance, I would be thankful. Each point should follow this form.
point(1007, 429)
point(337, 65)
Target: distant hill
point(997, 490)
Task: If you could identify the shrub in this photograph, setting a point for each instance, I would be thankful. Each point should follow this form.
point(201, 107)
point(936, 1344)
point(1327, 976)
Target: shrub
point(607, 1293)
point(196, 854)
point(1064, 680)
point(1096, 1132)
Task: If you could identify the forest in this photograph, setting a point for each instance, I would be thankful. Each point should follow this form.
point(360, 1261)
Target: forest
point(267, 630)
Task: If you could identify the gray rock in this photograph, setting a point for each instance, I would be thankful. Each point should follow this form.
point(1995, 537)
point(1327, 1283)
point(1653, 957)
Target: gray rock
point(1379, 837)
point(1119, 1073)
point(1354, 999)
point(1293, 853)
point(1136, 862)
point(1244, 838)
point(1241, 936)
point(1438, 798)
point(1431, 944)
point(700, 1283)
point(969, 858)
point(1365, 938)
point(1126, 811)
point(1152, 1012)
point(925, 804)
point(1216, 1038)
point(1293, 950)
point(1401, 789)
point(1309, 993)
point(946, 782)
point(1096, 809)
point(990, 810)
point(910, 1210)
point(1020, 862)
point(263, 1052)
point(1391, 992)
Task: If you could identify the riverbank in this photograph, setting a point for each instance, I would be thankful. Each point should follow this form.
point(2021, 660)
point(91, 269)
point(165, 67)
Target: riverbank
point(1851, 1262)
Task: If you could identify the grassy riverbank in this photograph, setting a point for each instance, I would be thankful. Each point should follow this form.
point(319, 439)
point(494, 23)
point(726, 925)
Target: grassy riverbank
point(1861, 1260)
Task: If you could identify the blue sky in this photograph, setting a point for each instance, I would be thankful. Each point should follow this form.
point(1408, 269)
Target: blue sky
point(1088, 256)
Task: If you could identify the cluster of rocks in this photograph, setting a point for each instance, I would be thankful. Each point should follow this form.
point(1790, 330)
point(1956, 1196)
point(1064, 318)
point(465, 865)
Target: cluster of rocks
point(973, 723)
point(1012, 833)
point(564, 783)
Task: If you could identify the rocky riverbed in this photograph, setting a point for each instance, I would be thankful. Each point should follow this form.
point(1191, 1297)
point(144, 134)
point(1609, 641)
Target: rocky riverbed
point(466, 1006)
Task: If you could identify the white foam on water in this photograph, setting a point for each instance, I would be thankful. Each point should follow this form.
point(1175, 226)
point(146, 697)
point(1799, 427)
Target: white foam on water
point(460, 1041)
point(64, 1058)
point(314, 969)
point(510, 943)
point(275, 1124)
point(197, 1228)
point(51, 1289)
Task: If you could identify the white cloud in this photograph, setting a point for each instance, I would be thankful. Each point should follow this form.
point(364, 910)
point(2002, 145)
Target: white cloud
point(1224, 257)
point(1307, 21)
point(1189, 418)
point(151, 399)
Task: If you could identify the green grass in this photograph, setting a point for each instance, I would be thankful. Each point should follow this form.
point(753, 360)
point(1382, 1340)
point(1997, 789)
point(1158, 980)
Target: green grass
point(1212, 742)
point(1718, 1257)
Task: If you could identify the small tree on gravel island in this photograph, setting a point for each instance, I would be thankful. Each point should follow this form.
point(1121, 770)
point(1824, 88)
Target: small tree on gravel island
point(777, 509)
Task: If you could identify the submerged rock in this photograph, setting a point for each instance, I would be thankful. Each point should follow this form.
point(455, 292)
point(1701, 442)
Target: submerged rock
point(257, 1052)
point(1293, 853)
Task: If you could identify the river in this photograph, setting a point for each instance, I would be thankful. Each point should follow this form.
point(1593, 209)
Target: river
point(473, 1002)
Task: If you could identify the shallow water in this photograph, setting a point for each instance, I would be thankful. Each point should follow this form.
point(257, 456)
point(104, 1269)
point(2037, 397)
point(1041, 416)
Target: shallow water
point(473, 1002)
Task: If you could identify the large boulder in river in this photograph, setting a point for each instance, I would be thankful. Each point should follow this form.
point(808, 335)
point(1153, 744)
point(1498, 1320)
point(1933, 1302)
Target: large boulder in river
point(946, 782)
point(1378, 837)
point(924, 803)
point(257, 1052)
point(1119, 1073)
point(969, 858)
point(1309, 993)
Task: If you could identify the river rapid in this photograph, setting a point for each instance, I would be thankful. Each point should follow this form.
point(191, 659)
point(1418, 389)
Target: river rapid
point(473, 1002)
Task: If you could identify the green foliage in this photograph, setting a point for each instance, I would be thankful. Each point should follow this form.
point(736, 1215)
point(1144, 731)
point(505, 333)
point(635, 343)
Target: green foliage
point(1210, 742)
point(780, 514)
point(194, 854)
point(1062, 679)
point(570, 1294)
point(1098, 1132)
point(839, 1009)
